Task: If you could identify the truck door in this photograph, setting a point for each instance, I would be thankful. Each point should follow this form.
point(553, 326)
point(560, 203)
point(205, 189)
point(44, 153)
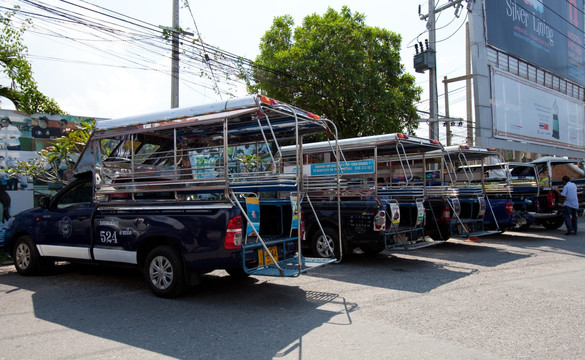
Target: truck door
point(65, 227)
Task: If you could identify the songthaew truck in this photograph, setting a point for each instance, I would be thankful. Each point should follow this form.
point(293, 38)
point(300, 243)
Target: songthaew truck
point(382, 194)
point(533, 187)
point(470, 205)
point(483, 167)
point(177, 194)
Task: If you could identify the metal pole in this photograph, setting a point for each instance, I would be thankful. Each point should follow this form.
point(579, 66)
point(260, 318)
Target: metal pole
point(468, 94)
point(447, 122)
point(175, 56)
point(433, 99)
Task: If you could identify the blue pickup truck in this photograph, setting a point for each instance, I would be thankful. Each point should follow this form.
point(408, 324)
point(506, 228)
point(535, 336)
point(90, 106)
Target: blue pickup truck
point(178, 194)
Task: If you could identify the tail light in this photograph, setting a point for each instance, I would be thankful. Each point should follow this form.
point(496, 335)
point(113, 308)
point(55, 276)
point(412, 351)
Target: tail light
point(446, 214)
point(233, 235)
point(551, 200)
point(537, 206)
point(510, 208)
point(380, 221)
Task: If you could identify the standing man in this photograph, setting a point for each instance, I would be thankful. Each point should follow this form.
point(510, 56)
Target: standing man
point(10, 134)
point(569, 193)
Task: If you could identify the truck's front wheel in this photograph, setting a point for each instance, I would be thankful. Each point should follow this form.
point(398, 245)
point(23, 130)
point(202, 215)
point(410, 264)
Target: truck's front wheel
point(164, 272)
point(26, 258)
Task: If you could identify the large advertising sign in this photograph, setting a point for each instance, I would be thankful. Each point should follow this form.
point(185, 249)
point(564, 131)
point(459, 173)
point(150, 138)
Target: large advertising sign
point(22, 136)
point(546, 33)
point(525, 111)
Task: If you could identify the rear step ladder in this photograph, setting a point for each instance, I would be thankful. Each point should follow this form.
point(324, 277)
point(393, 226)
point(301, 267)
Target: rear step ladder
point(275, 262)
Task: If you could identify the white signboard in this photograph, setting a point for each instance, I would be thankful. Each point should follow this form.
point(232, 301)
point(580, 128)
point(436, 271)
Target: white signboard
point(530, 112)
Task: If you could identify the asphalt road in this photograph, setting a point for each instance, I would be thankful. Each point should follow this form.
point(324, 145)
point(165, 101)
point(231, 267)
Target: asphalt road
point(511, 296)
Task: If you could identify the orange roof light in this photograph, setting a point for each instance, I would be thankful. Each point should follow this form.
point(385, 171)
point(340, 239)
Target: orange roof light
point(402, 136)
point(267, 100)
point(464, 147)
point(313, 116)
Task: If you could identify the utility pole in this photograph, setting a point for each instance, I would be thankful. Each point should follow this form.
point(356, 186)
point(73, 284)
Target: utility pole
point(468, 93)
point(431, 63)
point(434, 97)
point(175, 56)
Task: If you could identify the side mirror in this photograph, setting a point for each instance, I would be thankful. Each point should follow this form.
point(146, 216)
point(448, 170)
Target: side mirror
point(44, 202)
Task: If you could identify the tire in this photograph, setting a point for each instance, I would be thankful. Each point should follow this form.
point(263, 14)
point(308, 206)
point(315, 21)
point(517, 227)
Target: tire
point(553, 224)
point(27, 260)
point(319, 243)
point(441, 234)
point(164, 272)
point(372, 250)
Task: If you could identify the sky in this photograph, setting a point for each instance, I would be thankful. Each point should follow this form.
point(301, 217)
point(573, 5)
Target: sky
point(91, 78)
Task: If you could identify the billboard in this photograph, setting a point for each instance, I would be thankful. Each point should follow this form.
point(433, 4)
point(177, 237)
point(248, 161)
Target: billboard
point(528, 112)
point(546, 33)
point(22, 136)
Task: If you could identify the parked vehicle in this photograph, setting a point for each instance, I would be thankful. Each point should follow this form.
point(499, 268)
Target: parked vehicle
point(177, 194)
point(495, 182)
point(382, 194)
point(533, 185)
point(469, 208)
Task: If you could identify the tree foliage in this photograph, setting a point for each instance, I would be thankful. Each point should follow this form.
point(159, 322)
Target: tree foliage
point(338, 66)
point(22, 89)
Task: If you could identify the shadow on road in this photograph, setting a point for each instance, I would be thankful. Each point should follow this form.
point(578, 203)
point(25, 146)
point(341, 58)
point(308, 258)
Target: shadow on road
point(217, 319)
point(409, 271)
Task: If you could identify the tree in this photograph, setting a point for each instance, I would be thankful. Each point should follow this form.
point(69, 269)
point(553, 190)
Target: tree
point(22, 90)
point(338, 66)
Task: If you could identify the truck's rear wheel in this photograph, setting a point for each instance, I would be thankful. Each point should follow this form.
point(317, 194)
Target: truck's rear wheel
point(325, 243)
point(25, 255)
point(164, 272)
point(441, 233)
point(553, 224)
point(372, 250)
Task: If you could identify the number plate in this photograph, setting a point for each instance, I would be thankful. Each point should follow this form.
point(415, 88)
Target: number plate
point(265, 260)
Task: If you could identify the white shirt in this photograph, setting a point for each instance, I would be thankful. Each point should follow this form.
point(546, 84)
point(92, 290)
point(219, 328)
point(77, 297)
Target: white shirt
point(570, 194)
